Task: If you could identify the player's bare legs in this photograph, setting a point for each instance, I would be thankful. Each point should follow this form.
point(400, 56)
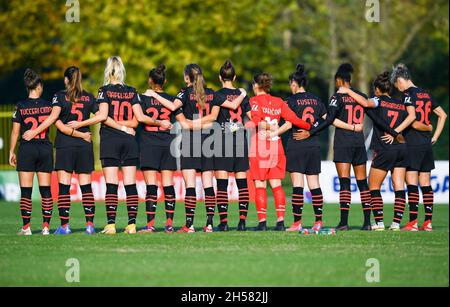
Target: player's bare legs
point(364, 192)
point(210, 199)
point(345, 197)
point(190, 201)
point(398, 181)
point(412, 181)
point(428, 200)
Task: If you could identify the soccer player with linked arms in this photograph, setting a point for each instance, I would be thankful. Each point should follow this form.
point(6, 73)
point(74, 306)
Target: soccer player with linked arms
point(266, 111)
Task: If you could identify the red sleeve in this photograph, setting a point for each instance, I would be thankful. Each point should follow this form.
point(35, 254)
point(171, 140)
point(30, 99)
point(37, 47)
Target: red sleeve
point(290, 116)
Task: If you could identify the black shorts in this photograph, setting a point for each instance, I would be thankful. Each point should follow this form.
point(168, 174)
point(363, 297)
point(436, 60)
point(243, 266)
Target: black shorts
point(200, 164)
point(420, 159)
point(119, 151)
point(79, 159)
point(304, 161)
point(388, 160)
point(353, 155)
point(157, 158)
point(234, 158)
point(35, 157)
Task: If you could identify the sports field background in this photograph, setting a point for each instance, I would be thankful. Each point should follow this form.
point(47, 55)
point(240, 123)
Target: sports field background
point(222, 259)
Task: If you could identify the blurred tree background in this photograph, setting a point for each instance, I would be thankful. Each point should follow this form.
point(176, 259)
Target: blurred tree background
point(263, 35)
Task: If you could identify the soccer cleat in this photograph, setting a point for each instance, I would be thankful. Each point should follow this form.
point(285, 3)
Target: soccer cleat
point(63, 230)
point(130, 229)
point(378, 227)
point(280, 226)
point(186, 229)
point(147, 229)
point(366, 227)
point(223, 227)
point(168, 229)
point(262, 226)
point(295, 227)
point(317, 226)
point(342, 227)
point(90, 230)
point(395, 227)
point(208, 229)
point(411, 227)
point(426, 226)
point(241, 226)
point(109, 229)
point(45, 231)
point(25, 232)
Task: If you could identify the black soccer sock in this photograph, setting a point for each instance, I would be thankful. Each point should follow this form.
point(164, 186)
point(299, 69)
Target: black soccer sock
point(297, 203)
point(47, 205)
point(111, 201)
point(151, 201)
point(428, 202)
point(132, 203)
point(345, 199)
point(210, 205)
point(244, 198)
point(26, 206)
point(190, 203)
point(365, 199)
point(222, 200)
point(399, 207)
point(413, 200)
point(64, 203)
point(88, 203)
point(377, 205)
point(169, 197)
point(317, 201)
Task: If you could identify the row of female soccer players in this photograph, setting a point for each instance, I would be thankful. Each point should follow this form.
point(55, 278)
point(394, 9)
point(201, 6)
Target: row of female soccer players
point(119, 108)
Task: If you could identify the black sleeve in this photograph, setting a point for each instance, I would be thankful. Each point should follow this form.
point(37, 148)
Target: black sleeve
point(334, 108)
point(380, 123)
point(94, 105)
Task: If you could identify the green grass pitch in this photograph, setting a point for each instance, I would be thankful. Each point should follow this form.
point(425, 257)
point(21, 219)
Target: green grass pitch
point(222, 259)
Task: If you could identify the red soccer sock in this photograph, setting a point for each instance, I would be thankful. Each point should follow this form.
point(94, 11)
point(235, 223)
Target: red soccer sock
point(261, 204)
point(280, 202)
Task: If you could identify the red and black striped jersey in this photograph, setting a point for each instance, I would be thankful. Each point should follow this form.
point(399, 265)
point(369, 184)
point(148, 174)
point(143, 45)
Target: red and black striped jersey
point(391, 111)
point(424, 104)
point(73, 111)
point(30, 113)
point(120, 99)
point(153, 135)
point(309, 108)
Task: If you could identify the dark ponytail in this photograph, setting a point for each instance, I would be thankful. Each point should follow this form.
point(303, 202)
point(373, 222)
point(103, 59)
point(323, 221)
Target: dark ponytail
point(383, 82)
point(227, 71)
point(158, 75)
point(299, 76)
point(345, 72)
point(74, 88)
point(31, 79)
point(195, 74)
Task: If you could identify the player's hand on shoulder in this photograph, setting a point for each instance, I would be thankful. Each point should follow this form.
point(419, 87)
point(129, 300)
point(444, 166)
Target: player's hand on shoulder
point(343, 90)
point(74, 124)
point(29, 135)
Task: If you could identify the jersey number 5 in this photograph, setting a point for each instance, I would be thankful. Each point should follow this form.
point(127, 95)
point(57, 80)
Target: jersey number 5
point(76, 110)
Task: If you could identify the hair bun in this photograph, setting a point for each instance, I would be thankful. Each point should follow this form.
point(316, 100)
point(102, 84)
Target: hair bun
point(301, 69)
point(228, 64)
point(347, 67)
point(161, 68)
point(29, 74)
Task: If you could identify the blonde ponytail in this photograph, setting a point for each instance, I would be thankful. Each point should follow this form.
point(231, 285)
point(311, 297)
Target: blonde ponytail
point(114, 71)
